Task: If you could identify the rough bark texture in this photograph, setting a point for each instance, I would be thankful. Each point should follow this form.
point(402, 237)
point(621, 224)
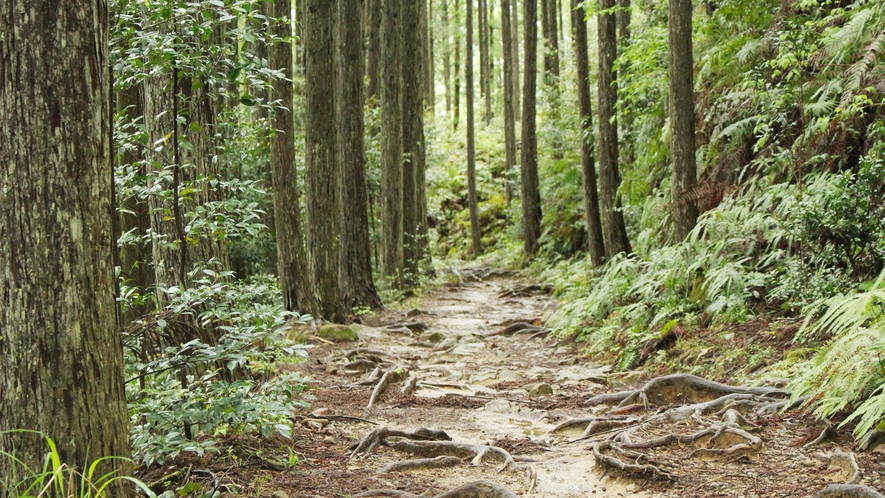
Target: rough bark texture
point(609, 176)
point(355, 262)
point(628, 153)
point(391, 144)
point(426, 7)
point(531, 197)
point(682, 125)
point(588, 166)
point(551, 41)
point(509, 109)
point(485, 60)
point(475, 230)
point(373, 48)
point(61, 355)
point(413, 138)
point(321, 172)
point(291, 260)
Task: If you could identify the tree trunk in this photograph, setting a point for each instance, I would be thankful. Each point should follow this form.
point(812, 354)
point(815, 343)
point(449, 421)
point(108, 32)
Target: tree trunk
point(531, 197)
point(485, 59)
point(509, 114)
point(682, 125)
point(373, 47)
point(413, 138)
point(391, 145)
point(447, 56)
point(291, 260)
point(626, 118)
point(588, 168)
point(475, 230)
point(60, 351)
point(355, 262)
point(321, 172)
point(457, 87)
point(427, 52)
point(609, 176)
point(134, 217)
point(514, 37)
point(551, 42)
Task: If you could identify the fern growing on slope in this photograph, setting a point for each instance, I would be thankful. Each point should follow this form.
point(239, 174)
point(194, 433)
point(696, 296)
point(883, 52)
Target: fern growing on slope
point(850, 368)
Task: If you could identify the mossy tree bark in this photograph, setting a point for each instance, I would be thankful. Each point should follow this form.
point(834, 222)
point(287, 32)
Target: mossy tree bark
point(475, 230)
point(413, 138)
point(291, 260)
point(61, 354)
point(531, 197)
point(321, 171)
point(392, 262)
point(588, 166)
point(682, 118)
point(609, 175)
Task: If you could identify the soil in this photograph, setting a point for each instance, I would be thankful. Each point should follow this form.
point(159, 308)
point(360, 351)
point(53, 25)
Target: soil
point(486, 388)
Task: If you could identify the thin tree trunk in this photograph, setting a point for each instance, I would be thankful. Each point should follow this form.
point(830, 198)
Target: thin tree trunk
point(475, 230)
point(391, 145)
point(682, 124)
point(413, 137)
point(457, 37)
point(355, 263)
point(531, 197)
point(514, 37)
point(509, 115)
point(588, 168)
point(373, 47)
point(485, 59)
point(609, 176)
point(447, 55)
point(60, 351)
point(626, 118)
point(291, 260)
point(427, 52)
point(551, 41)
point(321, 172)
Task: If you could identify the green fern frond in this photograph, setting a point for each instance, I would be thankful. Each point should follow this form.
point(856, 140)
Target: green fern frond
point(842, 42)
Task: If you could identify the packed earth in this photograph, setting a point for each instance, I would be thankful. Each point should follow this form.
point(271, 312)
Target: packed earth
point(467, 394)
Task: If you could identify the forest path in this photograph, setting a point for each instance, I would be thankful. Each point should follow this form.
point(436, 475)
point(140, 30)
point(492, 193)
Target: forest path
point(474, 383)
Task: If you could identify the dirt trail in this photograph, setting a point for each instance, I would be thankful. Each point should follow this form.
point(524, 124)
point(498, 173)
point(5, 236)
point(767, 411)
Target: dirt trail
point(472, 384)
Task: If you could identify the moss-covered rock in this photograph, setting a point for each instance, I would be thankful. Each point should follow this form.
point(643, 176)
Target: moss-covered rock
point(338, 333)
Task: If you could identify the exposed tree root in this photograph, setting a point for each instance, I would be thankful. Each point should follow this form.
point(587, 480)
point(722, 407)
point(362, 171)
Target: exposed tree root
point(410, 385)
point(386, 379)
point(608, 398)
point(439, 462)
point(379, 435)
point(526, 290)
point(476, 489)
point(844, 461)
point(672, 388)
point(649, 469)
point(848, 491)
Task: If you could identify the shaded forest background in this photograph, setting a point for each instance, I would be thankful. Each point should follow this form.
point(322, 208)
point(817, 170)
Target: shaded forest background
point(276, 163)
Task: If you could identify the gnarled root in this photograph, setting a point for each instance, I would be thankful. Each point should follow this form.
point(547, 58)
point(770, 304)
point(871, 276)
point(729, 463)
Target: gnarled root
point(672, 388)
point(476, 489)
point(848, 491)
point(386, 379)
point(845, 462)
point(439, 462)
point(650, 469)
point(379, 436)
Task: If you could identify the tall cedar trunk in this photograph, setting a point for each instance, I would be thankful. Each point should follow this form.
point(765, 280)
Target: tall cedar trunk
point(291, 260)
point(457, 86)
point(61, 354)
point(475, 231)
point(588, 168)
point(551, 41)
point(355, 262)
point(413, 137)
point(321, 172)
point(447, 55)
point(514, 37)
point(531, 197)
point(609, 176)
point(682, 125)
point(626, 119)
point(135, 257)
point(391, 145)
point(509, 115)
point(373, 47)
point(485, 59)
point(426, 13)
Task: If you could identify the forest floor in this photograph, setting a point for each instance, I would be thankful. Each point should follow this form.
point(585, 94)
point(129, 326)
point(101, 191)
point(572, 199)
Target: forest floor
point(483, 385)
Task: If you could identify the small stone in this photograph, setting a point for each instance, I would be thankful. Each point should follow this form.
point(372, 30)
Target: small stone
point(538, 388)
point(338, 333)
point(631, 487)
point(435, 338)
point(279, 494)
